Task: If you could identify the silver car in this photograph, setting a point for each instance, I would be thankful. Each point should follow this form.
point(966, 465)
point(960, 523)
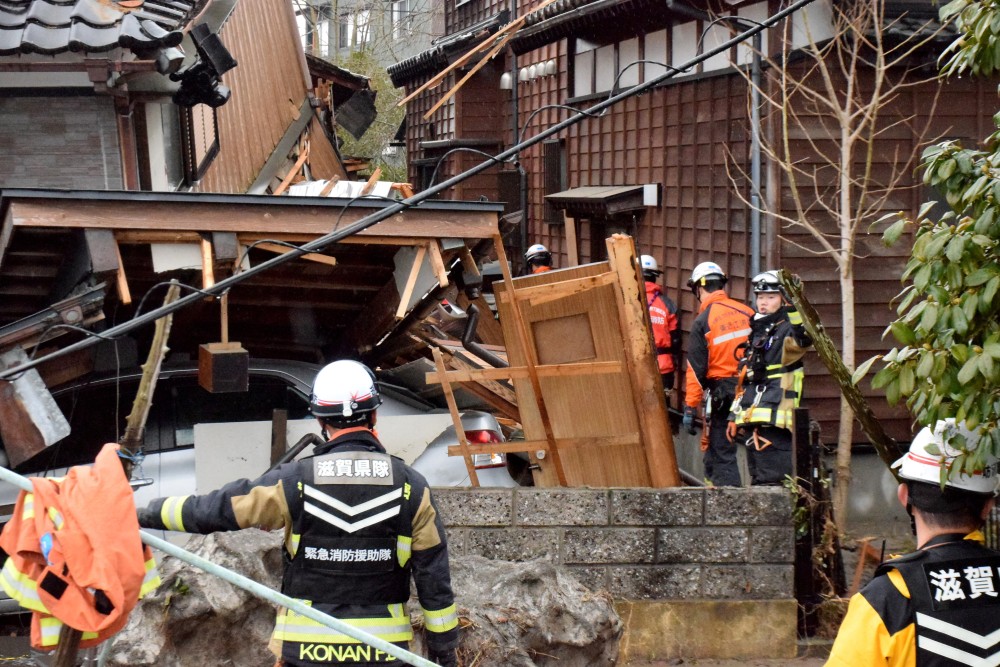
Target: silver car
point(96, 408)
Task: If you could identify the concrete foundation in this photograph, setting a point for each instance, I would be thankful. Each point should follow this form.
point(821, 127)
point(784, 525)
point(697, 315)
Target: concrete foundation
point(707, 629)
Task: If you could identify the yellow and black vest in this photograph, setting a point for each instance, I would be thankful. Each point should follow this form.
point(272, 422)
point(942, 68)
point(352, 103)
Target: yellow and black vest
point(954, 602)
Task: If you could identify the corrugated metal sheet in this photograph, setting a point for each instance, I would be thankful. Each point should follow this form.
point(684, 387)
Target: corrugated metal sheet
point(269, 86)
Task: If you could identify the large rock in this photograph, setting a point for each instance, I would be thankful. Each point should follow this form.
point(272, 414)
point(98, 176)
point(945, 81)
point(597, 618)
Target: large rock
point(512, 614)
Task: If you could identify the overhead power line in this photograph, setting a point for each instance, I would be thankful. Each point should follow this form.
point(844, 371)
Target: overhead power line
point(322, 242)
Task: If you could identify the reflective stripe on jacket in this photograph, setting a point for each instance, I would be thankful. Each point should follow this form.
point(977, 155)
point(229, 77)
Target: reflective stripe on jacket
point(771, 371)
point(74, 553)
point(358, 524)
point(931, 608)
point(722, 325)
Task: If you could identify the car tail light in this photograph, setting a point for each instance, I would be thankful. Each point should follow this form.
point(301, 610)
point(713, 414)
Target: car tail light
point(482, 437)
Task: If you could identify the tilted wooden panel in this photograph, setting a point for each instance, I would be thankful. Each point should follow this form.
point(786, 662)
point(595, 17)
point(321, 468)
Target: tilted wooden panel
point(588, 400)
point(584, 327)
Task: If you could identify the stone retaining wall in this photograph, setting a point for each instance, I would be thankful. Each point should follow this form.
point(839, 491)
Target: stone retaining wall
point(638, 544)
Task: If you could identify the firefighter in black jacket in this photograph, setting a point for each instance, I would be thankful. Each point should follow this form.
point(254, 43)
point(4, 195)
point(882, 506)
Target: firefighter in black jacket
point(770, 383)
point(357, 523)
point(940, 605)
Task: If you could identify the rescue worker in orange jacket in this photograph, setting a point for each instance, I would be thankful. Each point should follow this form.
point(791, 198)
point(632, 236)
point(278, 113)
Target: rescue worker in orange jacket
point(714, 351)
point(358, 524)
point(663, 318)
point(538, 259)
point(940, 605)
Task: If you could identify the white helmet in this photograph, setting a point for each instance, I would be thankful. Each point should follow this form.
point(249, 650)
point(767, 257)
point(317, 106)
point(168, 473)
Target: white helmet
point(536, 252)
point(704, 272)
point(649, 265)
point(929, 454)
point(766, 282)
point(344, 390)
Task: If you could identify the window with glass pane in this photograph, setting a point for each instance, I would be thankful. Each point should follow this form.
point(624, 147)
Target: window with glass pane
point(402, 19)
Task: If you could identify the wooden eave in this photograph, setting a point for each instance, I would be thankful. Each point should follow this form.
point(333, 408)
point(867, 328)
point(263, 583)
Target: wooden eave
point(244, 214)
point(342, 300)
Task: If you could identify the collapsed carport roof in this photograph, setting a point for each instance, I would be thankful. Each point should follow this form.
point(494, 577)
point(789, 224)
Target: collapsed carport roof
point(345, 300)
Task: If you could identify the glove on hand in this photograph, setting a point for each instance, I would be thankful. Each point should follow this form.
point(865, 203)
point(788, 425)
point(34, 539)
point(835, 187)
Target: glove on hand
point(147, 517)
point(731, 431)
point(688, 420)
point(446, 658)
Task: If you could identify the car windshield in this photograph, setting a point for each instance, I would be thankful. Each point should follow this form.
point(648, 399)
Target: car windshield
point(178, 404)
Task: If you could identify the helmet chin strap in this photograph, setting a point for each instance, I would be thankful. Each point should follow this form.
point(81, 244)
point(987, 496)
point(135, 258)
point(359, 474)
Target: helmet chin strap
point(913, 520)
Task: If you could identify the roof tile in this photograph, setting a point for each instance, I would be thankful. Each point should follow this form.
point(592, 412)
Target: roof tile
point(40, 39)
point(96, 14)
point(84, 38)
point(49, 15)
point(58, 26)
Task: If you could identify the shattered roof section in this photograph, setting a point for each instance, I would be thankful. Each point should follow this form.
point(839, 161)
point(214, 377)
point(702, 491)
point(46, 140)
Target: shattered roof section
point(51, 26)
point(443, 49)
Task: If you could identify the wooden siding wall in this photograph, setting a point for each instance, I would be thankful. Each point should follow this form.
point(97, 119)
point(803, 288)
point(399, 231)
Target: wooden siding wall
point(677, 136)
point(963, 112)
point(268, 89)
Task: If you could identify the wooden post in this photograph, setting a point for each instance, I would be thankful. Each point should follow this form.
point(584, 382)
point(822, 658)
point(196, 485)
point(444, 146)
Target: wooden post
point(279, 434)
point(131, 442)
point(531, 360)
point(455, 417)
point(647, 387)
point(572, 245)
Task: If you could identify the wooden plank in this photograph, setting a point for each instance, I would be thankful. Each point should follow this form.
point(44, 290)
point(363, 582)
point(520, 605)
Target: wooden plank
point(490, 39)
point(121, 283)
point(560, 290)
point(287, 180)
point(532, 362)
point(518, 446)
point(411, 282)
point(372, 180)
point(457, 362)
point(437, 262)
point(647, 386)
point(456, 420)
point(310, 256)
point(267, 218)
point(494, 400)
point(475, 68)
point(207, 264)
point(279, 435)
point(512, 372)
point(572, 245)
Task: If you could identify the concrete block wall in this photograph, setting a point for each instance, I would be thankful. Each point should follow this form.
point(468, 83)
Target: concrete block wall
point(638, 544)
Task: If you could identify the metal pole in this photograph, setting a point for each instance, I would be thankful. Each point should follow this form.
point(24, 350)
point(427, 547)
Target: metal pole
point(755, 250)
point(259, 590)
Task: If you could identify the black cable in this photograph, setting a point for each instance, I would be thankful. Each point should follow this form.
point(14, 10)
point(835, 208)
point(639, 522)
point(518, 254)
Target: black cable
point(468, 149)
point(350, 201)
point(13, 374)
point(142, 301)
point(318, 244)
point(579, 112)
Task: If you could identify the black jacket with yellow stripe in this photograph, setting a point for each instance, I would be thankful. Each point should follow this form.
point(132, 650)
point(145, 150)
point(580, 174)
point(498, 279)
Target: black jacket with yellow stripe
point(358, 524)
point(936, 607)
